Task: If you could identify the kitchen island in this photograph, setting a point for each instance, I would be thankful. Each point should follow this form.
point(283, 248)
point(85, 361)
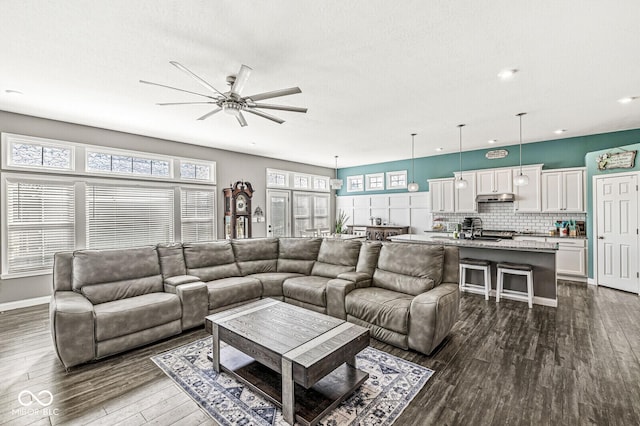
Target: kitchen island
point(540, 255)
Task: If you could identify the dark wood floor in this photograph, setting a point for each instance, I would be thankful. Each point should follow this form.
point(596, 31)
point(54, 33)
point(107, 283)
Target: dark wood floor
point(502, 364)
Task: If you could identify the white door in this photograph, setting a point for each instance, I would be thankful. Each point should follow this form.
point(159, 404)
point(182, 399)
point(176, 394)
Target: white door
point(616, 233)
point(278, 216)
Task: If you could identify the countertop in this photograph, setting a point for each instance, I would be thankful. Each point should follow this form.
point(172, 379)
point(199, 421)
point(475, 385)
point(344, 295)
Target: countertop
point(379, 226)
point(522, 234)
point(534, 246)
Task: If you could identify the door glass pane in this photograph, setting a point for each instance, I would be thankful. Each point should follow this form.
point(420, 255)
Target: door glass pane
point(277, 215)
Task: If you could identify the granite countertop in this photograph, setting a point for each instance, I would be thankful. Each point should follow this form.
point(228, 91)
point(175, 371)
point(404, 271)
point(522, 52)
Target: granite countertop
point(535, 246)
point(379, 226)
point(520, 234)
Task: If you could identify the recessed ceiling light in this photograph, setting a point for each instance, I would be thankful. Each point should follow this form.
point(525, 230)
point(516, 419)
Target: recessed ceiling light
point(627, 100)
point(13, 92)
point(492, 141)
point(507, 74)
point(439, 149)
point(559, 131)
point(252, 143)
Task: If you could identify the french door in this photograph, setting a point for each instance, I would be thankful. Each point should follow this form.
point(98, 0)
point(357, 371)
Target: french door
point(310, 211)
point(616, 231)
point(278, 213)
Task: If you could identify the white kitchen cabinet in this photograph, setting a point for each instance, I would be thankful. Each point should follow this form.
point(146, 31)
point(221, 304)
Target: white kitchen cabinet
point(571, 257)
point(528, 196)
point(465, 199)
point(494, 181)
point(441, 192)
point(563, 190)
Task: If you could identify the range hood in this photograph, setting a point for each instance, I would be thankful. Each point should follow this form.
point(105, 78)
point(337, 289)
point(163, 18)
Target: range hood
point(495, 198)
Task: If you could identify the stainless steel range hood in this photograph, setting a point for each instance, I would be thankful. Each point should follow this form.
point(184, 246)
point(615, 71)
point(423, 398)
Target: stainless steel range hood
point(495, 198)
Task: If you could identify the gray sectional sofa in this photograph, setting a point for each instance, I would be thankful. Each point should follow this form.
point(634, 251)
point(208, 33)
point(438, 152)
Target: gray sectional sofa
point(108, 301)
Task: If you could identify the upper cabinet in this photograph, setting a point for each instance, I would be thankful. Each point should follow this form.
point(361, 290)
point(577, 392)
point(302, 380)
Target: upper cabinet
point(465, 198)
point(493, 181)
point(528, 196)
point(563, 190)
point(442, 195)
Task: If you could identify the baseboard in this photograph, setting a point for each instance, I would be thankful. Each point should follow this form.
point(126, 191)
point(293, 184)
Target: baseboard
point(591, 281)
point(572, 278)
point(9, 306)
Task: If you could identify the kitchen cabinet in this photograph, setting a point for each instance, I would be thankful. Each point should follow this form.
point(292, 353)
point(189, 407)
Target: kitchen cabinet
point(563, 190)
point(379, 233)
point(441, 192)
point(528, 196)
point(571, 257)
point(465, 199)
point(494, 181)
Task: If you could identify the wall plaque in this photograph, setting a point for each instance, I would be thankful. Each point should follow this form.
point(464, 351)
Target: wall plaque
point(623, 160)
point(496, 153)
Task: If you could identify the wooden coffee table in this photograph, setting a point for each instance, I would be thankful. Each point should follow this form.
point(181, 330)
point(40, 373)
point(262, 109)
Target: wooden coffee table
point(301, 360)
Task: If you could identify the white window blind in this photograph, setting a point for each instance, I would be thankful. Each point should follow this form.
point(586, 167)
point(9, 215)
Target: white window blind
point(127, 216)
point(40, 222)
point(198, 214)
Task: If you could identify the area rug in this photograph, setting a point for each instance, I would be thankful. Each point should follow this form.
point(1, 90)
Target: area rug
point(392, 384)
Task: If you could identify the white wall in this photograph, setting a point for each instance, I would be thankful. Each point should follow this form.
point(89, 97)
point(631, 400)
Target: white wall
point(405, 209)
point(231, 167)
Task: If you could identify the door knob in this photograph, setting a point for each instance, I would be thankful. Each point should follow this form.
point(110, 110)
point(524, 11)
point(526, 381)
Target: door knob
point(601, 238)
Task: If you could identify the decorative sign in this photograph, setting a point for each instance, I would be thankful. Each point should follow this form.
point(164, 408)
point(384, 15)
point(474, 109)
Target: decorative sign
point(623, 160)
point(495, 154)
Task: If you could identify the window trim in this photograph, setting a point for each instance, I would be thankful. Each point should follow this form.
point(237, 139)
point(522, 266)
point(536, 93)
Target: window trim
point(367, 183)
point(397, 173)
point(352, 178)
point(8, 139)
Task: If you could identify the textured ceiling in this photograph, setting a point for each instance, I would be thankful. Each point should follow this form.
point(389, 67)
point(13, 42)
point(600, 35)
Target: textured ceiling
point(371, 72)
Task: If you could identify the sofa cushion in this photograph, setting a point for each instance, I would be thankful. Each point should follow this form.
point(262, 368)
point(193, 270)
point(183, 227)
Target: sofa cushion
point(297, 254)
point(336, 257)
point(381, 307)
point(272, 282)
point(411, 274)
point(227, 291)
point(107, 275)
point(210, 261)
point(126, 316)
point(255, 256)
point(311, 289)
point(171, 260)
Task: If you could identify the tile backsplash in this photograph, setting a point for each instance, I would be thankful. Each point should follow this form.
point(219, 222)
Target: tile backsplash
point(500, 216)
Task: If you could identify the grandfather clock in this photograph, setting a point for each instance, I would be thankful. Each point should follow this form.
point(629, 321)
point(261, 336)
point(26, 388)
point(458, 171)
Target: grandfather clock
point(237, 210)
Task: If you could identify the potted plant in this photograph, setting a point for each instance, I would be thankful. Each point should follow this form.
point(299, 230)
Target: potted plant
point(340, 224)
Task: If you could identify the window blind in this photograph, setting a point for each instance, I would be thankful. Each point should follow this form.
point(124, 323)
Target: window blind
point(198, 217)
point(40, 222)
point(127, 216)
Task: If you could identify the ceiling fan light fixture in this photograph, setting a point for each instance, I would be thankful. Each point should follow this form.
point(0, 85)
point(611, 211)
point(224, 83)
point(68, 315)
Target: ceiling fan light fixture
point(231, 108)
point(413, 186)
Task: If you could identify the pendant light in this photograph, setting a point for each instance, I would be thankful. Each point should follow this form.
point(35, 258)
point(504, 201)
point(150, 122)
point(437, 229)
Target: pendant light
point(520, 179)
point(461, 183)
point(413, 186)
point(336, 183)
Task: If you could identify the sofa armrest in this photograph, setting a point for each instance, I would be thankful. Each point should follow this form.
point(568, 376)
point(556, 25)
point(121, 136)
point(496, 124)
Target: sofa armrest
point(194, 298)
point(72, 327)
point(361, 278)
point(432, 315)
point(337, 290)
point(179, 280)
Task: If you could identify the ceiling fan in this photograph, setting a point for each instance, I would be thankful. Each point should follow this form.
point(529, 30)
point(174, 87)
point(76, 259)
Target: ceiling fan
point(232, 102)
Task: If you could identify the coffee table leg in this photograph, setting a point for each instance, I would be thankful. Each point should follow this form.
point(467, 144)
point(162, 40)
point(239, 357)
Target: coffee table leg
point(215, 348)
point(288, 397)
point(352, 361)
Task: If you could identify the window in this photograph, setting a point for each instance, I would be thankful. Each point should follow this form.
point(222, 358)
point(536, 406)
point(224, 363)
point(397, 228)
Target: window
point(27, 152)
point(40, 222)
point(321, 183)
point(397, 180)
point(310, 212)
point(128, 216)
point(105, 162)
point(196, 171)
point(375, 182)
point(276, 178)
point(297, 181)
point(355, 183)
point(301, 182)
point(197, 211)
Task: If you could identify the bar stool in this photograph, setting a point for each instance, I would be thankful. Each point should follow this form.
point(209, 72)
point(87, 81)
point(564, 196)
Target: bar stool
point(515, 269)
point(479, 265)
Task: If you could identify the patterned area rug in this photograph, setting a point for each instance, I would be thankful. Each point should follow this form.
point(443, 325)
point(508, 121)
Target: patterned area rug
point(392, 384)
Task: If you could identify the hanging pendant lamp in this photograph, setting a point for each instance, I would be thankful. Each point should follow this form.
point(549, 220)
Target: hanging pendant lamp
point(520, 179)
point(336, 183)
point(461, 183)
point(413, 186)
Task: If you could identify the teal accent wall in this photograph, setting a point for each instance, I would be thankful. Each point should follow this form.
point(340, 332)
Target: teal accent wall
point(554, 154)
point(592, 170)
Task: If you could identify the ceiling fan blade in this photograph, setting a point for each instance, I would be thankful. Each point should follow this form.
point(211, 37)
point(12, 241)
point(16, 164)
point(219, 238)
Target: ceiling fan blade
point(209, 114)
point(184, 103)
point(198, 79)
point(265, 115)
point(274, 94)
point(241, 119)
point(280, 107)
point(241, 79)
point(175, 88)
